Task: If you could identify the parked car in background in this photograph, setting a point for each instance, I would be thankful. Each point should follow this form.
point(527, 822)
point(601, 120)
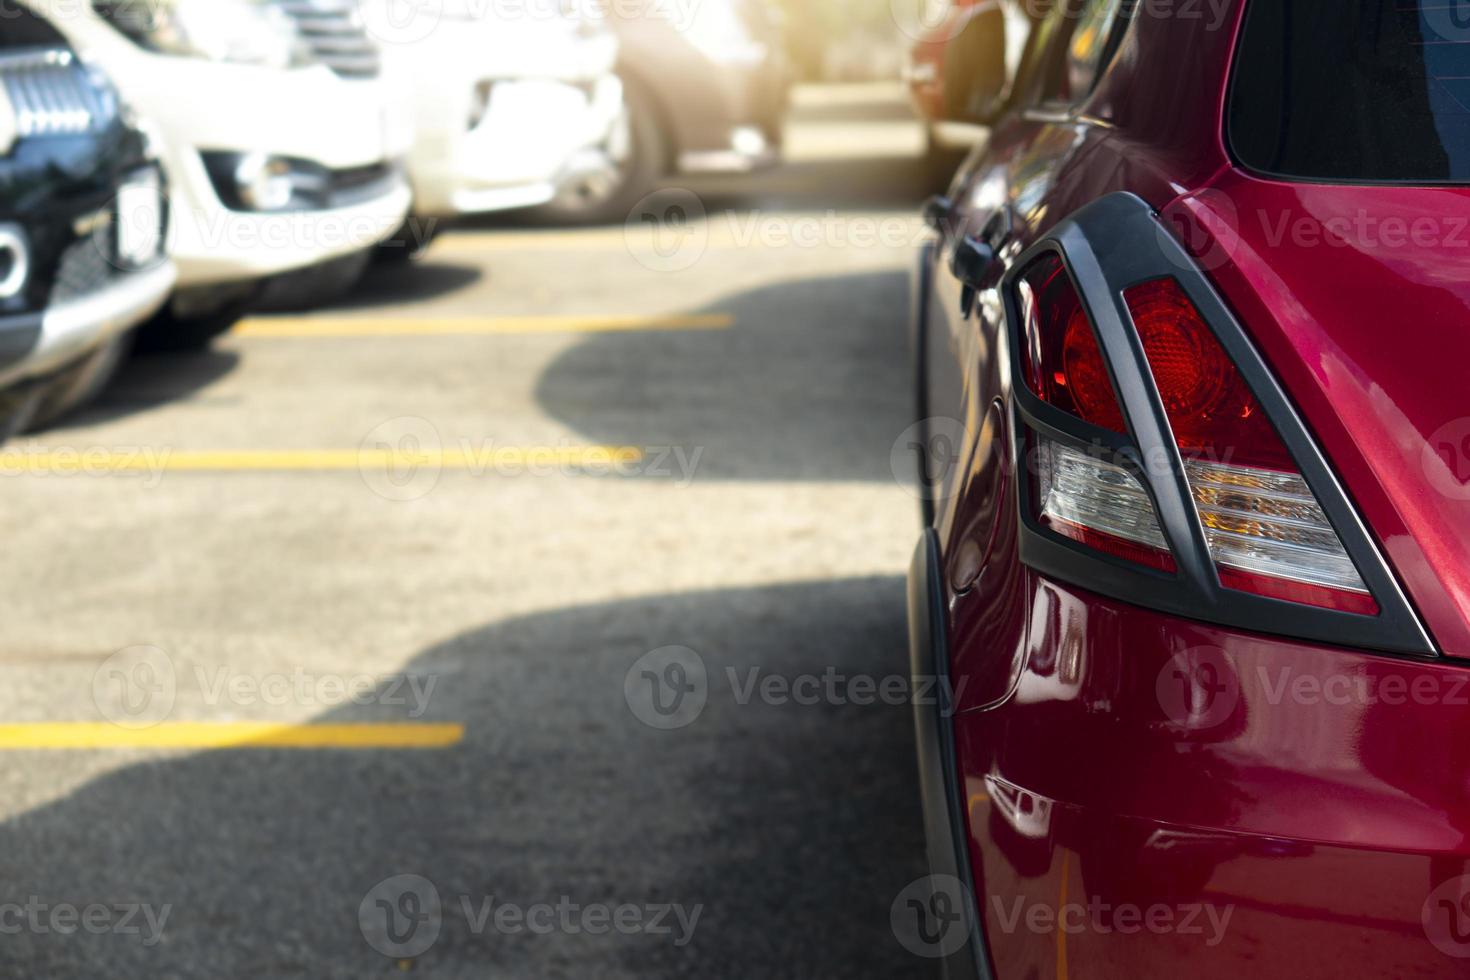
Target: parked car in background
point(511, 110)
point(82, 218)
point(707, 87)
point(958, 72)
point(280, 136)
point(1198, 540)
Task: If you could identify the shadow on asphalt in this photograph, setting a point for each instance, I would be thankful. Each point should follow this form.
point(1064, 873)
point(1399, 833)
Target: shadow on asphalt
point(407, 282)
point(816, 370)
point(148, 382)
point(794, 826)
point(898, 183)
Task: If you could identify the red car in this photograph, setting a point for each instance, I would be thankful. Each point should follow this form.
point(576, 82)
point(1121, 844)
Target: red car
point(1193, 341)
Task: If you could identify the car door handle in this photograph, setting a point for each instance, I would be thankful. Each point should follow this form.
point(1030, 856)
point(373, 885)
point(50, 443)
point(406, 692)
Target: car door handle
point(971, 261)
point(999, 228)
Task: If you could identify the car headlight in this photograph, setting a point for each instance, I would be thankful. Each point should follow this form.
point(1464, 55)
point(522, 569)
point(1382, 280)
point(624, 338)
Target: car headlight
point(247, 32)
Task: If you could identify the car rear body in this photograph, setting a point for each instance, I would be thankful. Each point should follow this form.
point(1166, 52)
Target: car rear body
point(1145, 772)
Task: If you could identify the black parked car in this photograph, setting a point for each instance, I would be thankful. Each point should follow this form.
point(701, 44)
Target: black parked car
point(82, 225)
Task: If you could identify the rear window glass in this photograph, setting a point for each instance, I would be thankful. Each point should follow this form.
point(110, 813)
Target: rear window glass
point(1354, 90)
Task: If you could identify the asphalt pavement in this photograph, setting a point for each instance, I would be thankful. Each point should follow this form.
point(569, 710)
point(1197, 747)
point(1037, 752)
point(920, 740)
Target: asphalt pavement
point(534, 612)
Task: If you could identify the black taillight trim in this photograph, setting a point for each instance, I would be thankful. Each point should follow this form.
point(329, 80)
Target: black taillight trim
point(1112, 244)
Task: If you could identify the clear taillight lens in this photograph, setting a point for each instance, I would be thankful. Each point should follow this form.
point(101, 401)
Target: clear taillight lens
point(1265, 529)
point(1098, 504)
point(1268, 535)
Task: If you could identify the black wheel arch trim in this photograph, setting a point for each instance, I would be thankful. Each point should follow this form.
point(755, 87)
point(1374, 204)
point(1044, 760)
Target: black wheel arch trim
point(919, 285)
point(945, 832)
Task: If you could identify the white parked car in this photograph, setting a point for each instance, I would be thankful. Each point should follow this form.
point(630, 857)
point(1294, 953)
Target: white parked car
point(514, 104)
point(281, 136)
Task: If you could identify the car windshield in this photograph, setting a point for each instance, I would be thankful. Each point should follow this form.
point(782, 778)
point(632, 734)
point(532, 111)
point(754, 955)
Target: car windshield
point(1354, 90)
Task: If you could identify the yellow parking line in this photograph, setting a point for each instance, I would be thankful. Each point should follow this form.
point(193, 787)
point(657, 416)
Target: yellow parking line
point(408, 326)
point(231, 734)
point(490, 459)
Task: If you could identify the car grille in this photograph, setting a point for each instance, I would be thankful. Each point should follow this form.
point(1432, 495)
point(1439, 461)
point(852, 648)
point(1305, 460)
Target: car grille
point(50, 94)
point(84, 268)
point(334, 31)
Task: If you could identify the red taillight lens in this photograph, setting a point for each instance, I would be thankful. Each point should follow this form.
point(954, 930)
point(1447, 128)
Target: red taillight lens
point(1061, 360)
point(1265, 528)
point(1210, 407)
point(1079, 496)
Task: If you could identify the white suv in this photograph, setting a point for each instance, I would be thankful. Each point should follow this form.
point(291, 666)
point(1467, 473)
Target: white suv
point(513, 104)
point(282, 138)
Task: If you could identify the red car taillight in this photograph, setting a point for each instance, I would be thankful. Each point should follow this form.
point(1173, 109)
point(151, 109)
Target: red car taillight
point(1062, 362)
point(1265, 529)
point(1266, 532)
point(1089, 500)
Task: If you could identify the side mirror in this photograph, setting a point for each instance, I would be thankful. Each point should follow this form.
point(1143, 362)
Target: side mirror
point(971, 263)
point(937, 212)
point(976, 74)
